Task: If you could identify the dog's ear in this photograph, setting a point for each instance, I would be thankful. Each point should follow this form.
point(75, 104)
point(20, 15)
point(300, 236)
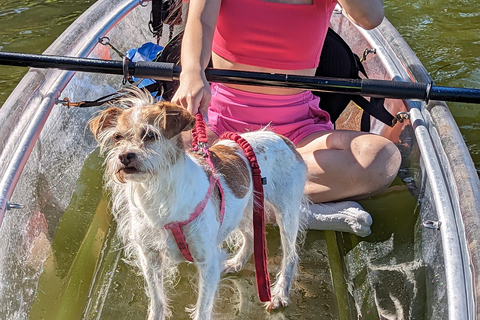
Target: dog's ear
point(176, 119)
point(105, 120)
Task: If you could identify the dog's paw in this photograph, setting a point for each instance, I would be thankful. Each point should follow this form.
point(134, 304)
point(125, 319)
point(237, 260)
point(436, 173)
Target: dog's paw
point(276, 302)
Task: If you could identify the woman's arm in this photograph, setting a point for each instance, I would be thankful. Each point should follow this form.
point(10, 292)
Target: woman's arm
point(194, 90)
point(368, 14)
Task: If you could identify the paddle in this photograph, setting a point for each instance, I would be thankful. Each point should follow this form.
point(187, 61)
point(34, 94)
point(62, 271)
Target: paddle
point(169, 72)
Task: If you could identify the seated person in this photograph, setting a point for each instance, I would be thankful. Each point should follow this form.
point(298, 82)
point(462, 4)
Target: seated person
point(286, 36)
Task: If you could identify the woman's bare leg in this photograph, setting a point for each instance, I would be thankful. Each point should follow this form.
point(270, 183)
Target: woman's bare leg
point(342, 165)
point(346, 164)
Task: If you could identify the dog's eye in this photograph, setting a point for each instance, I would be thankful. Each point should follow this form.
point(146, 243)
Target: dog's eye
point(117, 137)
point(150, 136)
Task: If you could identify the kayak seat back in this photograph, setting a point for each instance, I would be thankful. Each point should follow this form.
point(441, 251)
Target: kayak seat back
point(337, 60)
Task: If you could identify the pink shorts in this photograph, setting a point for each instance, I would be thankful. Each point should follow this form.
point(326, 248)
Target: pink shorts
point(293, 116)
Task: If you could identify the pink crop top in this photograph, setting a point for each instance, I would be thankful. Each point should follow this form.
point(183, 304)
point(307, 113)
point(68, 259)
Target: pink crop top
point(272, 35)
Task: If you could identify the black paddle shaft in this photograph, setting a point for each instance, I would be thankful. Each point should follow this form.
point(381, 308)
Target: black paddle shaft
point(169, 72)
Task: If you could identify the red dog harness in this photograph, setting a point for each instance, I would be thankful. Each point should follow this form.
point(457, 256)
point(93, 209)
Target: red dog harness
point(260, 253)
point(199, 144)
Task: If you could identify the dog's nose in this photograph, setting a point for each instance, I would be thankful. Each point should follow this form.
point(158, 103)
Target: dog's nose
point(126, 157)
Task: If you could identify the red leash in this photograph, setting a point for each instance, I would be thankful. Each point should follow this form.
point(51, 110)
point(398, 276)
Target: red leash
point(259, 243)
point(200, 144)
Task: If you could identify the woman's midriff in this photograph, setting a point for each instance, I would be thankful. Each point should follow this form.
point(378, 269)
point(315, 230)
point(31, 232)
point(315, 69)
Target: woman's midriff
point(221, 63)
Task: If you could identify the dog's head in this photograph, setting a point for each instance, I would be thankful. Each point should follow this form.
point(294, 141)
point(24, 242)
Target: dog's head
point(141, 137)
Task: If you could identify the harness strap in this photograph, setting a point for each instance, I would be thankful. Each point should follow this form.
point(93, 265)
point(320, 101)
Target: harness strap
point(259, 242)
point(176, 227)
point(199, 145)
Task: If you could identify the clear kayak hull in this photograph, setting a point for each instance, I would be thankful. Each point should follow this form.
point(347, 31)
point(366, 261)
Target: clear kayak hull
point(61, 258)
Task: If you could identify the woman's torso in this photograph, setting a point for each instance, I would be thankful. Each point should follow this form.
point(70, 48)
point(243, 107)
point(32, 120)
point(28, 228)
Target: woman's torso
point(223, 63)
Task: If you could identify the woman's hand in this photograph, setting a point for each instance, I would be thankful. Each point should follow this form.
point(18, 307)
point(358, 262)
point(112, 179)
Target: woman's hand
point(193, 92)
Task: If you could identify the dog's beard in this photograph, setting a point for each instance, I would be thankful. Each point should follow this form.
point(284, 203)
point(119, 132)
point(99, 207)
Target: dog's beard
point(138, 171)
point(148, 165)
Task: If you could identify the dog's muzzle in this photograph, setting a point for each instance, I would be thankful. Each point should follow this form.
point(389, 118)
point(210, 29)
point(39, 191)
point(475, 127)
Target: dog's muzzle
point(127, 159)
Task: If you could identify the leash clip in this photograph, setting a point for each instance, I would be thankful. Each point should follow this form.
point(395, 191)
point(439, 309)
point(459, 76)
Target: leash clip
point(201, 148)
point(400, 117)
point(67, 103)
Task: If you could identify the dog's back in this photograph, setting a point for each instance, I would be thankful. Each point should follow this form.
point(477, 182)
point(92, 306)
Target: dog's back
point(279, 161)
point(283, 169)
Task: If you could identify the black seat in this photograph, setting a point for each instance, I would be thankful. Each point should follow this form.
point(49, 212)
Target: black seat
point(338, 61)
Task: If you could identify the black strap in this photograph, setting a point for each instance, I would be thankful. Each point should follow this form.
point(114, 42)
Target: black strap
point(365, 122)
point(359, 65)
point(375, 107)
point(156, 25)
point(338, 61)
point(96, 103)
point(165, 12)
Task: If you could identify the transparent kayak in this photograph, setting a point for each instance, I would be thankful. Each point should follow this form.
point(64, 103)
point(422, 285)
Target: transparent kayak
point(60, 258)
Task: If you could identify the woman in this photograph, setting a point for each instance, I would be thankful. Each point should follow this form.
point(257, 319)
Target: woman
point(286, 36)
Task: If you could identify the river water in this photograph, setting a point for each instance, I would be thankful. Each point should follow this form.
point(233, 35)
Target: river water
point(446, 39)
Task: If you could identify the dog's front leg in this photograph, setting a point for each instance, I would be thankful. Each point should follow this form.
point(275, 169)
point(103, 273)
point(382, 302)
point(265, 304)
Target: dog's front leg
point(150, 263)
point(209, 278)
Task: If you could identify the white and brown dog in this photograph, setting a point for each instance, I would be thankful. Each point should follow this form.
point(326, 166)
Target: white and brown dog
point(155, 182)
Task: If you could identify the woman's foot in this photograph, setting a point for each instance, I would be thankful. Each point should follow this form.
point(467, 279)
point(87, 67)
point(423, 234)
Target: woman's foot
point(345, 216)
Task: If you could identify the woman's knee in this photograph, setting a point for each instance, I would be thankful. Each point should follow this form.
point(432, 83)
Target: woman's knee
point(383, 163)
point(350, 165)
point(391, 157)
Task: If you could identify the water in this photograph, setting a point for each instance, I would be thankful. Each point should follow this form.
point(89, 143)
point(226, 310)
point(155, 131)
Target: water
point(445, 35)
point(428, 26)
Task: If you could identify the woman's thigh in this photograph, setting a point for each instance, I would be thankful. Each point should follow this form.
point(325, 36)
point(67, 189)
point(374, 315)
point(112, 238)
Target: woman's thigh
point(346, 164)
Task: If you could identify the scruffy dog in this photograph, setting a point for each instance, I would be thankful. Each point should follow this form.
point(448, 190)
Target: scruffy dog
point(155, 182)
